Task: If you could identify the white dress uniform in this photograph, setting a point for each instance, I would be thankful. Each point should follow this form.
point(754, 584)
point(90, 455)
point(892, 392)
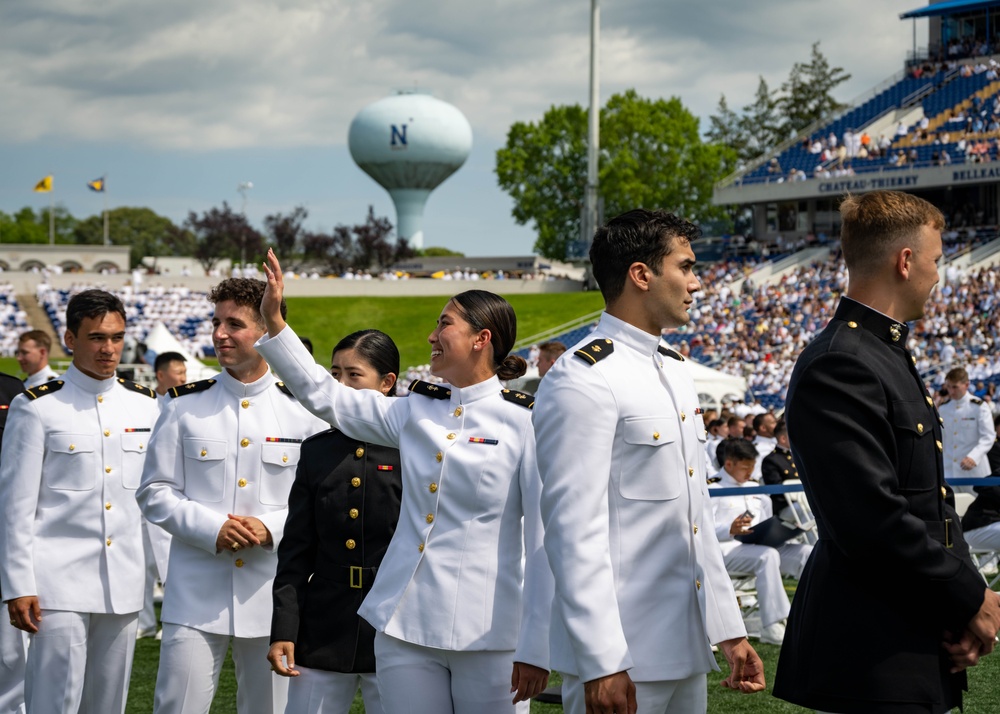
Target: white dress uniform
point(967, 425)
point(45, 374)
point(640, 581)
point(764, 445)
point(73, 453)
point(767, 564)
point(220, 447)
point(451, 580)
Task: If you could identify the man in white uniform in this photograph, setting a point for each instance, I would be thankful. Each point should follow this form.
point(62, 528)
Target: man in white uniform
point(222, 460)
point(641, 588)
point(968, 430)
point(71, 562)
point(764, 442)
point(32, 354)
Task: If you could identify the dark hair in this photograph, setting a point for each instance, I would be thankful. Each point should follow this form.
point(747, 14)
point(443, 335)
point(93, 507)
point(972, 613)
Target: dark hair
point(759, 419)
point(486, 311)
point(39, 337)
point(308, 343)
point(639, 236)
point(165, 358)
point(377, 349)
point(90, 304)
point(245, 292)
point(780, 428)
point(715, 424)
point(738, 450)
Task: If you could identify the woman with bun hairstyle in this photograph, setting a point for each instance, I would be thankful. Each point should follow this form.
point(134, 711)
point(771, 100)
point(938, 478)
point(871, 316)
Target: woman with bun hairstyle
point(346, 491)
point(461, 626)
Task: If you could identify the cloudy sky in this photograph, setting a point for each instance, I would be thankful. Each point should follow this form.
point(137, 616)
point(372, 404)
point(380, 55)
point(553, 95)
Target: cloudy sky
point(178, 102)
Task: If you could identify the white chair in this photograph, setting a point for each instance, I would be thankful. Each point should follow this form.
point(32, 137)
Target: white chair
point(745, 585)
point(963, 501)
point(800, 512)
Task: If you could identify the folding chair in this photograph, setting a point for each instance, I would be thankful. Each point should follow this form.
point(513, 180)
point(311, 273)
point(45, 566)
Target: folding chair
point(800, 511)
point(745, 585)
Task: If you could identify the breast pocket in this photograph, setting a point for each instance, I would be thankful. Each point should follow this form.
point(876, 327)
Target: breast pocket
point(133, 457)
point(277, 472)
point(205, 469)
point(71, 462)
point(916, 448)
point(652, 463)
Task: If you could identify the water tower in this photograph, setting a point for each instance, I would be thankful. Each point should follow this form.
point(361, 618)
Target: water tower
point(410, 143)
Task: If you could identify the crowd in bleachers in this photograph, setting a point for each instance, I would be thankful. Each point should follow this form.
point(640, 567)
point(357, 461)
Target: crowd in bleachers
point(13, 320)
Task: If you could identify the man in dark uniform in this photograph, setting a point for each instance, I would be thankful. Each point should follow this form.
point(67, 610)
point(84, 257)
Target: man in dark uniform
point(11, 639)
point(779, 466)
point(891, 563)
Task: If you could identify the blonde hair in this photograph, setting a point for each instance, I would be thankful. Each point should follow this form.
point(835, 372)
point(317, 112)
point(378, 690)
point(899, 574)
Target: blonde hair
point(876, 224)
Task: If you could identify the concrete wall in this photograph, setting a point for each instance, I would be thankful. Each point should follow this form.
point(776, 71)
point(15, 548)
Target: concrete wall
point(89, 258)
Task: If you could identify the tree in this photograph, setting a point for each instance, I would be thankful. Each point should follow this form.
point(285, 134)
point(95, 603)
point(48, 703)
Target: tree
point(651, 155)
point(361, 247)
point(140, 228)
point(29, 226)
point(435, 251)
point(286, 231)
point(728, 129)
point(761, 123)
point(807, 94)
point(223, 233)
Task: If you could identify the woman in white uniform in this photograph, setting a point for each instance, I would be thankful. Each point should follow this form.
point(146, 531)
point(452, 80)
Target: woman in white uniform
point(460, 627)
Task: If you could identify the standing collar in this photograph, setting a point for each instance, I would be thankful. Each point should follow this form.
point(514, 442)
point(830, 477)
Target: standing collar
point(887, 329)
point(89, 384)
point(624, 333)
point(245, 389)
point(475, 392)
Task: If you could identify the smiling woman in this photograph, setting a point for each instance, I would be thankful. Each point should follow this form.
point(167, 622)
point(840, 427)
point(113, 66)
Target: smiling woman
point(455, 629)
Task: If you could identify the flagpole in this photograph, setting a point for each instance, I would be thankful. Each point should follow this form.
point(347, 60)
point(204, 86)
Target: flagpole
point(52, 218)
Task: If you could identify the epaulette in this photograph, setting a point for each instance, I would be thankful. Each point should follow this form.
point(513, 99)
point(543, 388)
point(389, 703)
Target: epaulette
point(669, 353)
point(190, 388)
point(428, 389)
point(284, 388)
point(42, 389)
point(522, 399)
point(136, 387)
point(714, 479)
point(975, 401)
point(595, 351)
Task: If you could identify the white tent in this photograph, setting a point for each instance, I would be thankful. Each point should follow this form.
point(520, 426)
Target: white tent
point(159, 340)
point(715, 387)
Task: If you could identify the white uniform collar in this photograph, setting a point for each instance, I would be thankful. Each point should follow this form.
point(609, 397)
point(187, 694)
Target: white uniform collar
point(475, 392)
point(623, 333)
point(241, 389)
point(729, 482)
point(89, 384)
point(765, 440)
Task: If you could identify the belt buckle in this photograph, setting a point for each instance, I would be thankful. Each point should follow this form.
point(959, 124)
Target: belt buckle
point(356, 577)
point(947, 534)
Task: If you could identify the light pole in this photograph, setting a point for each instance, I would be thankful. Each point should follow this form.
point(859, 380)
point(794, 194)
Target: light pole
point(242, 189)
point(590, 221)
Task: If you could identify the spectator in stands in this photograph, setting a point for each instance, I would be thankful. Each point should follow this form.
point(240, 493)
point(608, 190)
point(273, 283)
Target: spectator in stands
point(736, 516)
point(33, 355)
point(171, 371)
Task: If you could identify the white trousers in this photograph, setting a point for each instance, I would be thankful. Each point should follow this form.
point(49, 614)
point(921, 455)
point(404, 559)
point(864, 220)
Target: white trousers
point(676, 696)
point(190, 663)
point(316, 691)
point(767, 565)
point(13, 643)
point(79, 662)
point(985, 538)
point(413, 679)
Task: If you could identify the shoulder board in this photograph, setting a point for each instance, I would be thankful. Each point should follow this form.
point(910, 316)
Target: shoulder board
point(190, 388)
point(946, 401)
point(136, 387)
point(284, 389)
point(522, 399)
point(714, 479)
point(595, 351)
point(975, 401)
point(670, 353)
point(42, 389)
point(320, 435)
point(427, 389)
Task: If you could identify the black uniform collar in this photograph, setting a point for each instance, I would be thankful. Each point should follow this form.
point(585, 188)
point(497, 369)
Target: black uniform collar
point(857, 314)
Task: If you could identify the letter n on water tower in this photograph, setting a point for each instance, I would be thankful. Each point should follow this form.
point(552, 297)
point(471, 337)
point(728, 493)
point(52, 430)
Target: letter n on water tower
point(398, 136)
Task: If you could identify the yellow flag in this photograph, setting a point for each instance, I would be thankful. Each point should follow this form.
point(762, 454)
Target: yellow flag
point(44, 186)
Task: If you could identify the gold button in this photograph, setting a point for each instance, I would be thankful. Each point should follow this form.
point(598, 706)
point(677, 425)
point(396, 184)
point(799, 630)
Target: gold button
point(421, 547)
point(940, 448)
point(430, 518)
point(944, 492)
point(245, 404)
point(107, 432)
point(458, 411)
point(140, 447)
point(72, 447)
point(100, 398)
point(108, 541)
point(355, 482)
point(696, 530)
point(683, 416)
point(238, 562)
point(656, 436)
point(359, 452)
point(107, 506)
point(913, 359)
point(852, 324)
point(204, 452)
point(353, 513)
point(697, 584)
point(107, 469)
point(242, 483)
point(452, 435)
point(350, 544)
point(284, 459)
point(439, 456)
point(690, 471)
point(930, 402)
point(433, 488)
point(920, 428)
point(244, 442)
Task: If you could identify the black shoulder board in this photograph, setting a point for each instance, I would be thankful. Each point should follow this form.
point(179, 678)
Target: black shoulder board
point(595, 351)
point(190, 388)
point(284, 388)
point(975, 401)
point(669, 353)
point(714, 479)
point(427, 389)
point(520, 398)
point(42, 389)
point(136, 387)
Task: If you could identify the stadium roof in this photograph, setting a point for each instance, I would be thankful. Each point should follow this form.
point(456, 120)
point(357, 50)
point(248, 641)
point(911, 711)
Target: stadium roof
point(950, 7)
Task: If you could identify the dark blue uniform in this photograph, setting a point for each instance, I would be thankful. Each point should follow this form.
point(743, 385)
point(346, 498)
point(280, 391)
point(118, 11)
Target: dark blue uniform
point(891, 572)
